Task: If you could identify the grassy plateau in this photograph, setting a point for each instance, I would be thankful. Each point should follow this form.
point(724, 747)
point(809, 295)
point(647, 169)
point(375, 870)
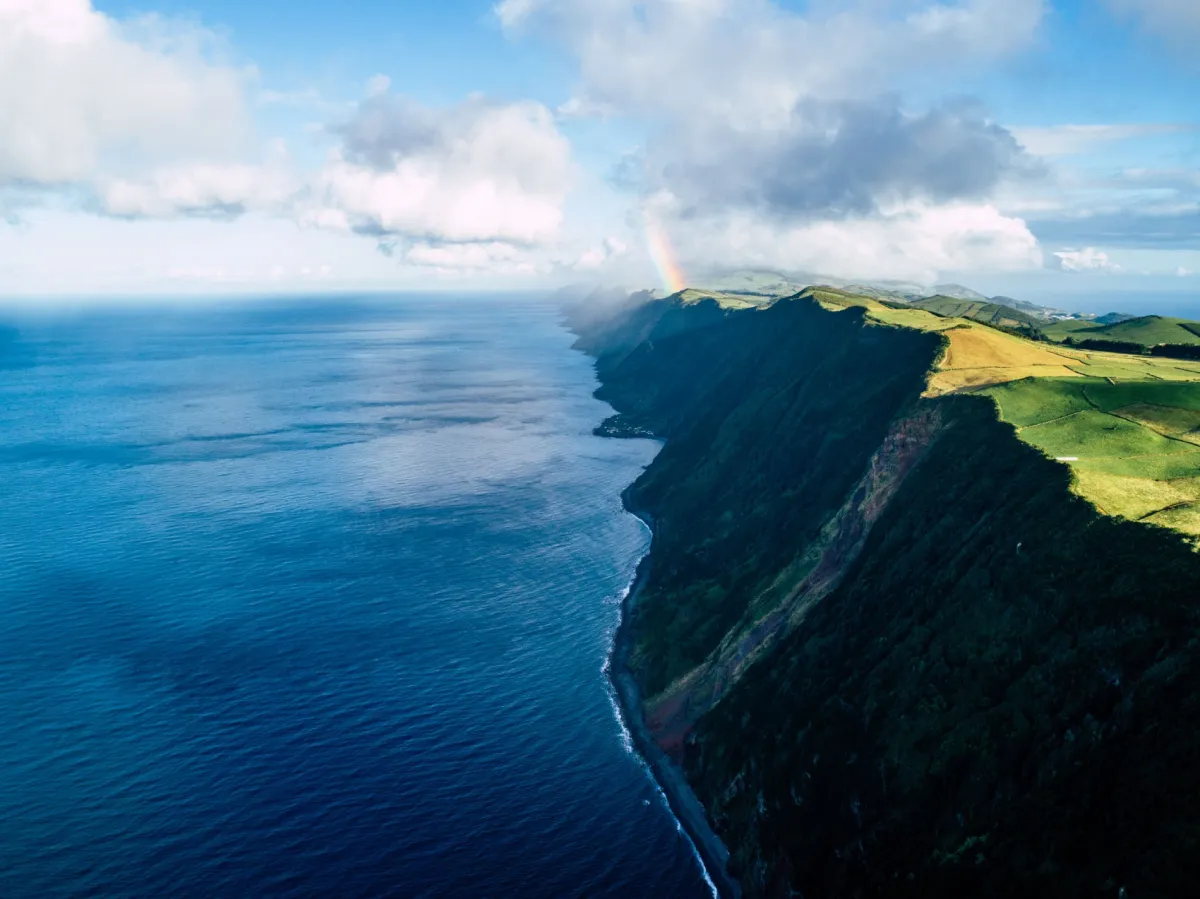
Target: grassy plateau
point(1127, 425)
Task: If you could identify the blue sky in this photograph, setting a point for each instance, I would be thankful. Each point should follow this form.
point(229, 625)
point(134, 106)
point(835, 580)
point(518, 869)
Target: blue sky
point(1046, 149)
point(437, 52)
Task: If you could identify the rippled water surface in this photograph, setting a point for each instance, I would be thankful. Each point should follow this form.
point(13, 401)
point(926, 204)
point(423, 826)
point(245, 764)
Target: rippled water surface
point(314, 599)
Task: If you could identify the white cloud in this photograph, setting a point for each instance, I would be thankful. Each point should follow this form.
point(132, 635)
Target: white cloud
point(775, 137)
point(579, 108)
point(494, 258)
point(500, 258)
point(218, 190)
point(1089, 259)
point(1069, 140)
point(1183, 272)
point(830, 159)
point(81, 93)
point(600, 255)
point(476, 172)
point(746, 61)
point(915, 242)
point(305, 99)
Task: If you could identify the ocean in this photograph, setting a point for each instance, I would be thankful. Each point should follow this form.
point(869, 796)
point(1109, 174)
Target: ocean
point(315, 598)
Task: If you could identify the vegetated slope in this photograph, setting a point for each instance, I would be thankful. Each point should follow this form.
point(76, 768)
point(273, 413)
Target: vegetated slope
point(981, 311)
point(1060, 330)
point(759, 456)
point(1039, 312)
point(898, 656)
point(1002, 698)
point(1146, 331)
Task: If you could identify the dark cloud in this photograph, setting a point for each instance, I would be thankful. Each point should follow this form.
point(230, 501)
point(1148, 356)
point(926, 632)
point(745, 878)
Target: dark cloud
point(387, 127)
point(836, 159)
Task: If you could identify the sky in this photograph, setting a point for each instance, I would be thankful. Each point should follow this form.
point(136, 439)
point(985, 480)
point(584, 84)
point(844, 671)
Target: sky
point(1045, 149)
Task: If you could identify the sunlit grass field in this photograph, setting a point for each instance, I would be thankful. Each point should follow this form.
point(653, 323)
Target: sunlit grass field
point(1128, 426)
point(1134, 446)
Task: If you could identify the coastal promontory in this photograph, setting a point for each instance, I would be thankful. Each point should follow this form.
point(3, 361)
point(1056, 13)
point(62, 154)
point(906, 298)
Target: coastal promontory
point(921, 615)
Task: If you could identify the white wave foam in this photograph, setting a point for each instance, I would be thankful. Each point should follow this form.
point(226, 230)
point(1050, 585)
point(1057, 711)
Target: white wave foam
point(626, 736)
point(627, 743)
point(620, 598)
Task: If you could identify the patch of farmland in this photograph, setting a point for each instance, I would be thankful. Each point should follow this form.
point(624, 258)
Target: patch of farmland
point(1133, 497)
point(1035, 400)
point(1182, 424)
point(956, 380)
point(1126, 371)
point(980, 347)
point(1091, 433)
point(1185, 519)
point(1109, 397)
point(1160, 467)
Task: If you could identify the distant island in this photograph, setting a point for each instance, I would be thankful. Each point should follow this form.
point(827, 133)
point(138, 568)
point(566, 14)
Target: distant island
point(920, 616)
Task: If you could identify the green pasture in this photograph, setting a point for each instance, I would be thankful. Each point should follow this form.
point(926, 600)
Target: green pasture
point(1132, 445)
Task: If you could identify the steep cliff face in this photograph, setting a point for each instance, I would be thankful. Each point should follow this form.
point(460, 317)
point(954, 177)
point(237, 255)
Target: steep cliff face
point(759, 458)
point(894, 654)
point(804, 582)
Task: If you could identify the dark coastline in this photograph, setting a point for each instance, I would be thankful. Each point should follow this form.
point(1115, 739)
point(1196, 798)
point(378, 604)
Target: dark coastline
point(684, 804)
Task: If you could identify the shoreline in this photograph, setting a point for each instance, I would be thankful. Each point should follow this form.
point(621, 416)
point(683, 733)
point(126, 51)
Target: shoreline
point(684, 805)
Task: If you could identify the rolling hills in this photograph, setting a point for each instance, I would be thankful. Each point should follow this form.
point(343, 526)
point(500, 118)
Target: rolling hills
point(1146, 331)
point(986, 312)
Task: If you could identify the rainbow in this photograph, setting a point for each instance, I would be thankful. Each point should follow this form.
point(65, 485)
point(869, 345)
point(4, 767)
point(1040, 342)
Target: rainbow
point(663, 257)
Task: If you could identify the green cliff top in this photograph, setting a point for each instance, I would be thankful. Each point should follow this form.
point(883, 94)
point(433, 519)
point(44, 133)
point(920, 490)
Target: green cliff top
point(1127, 425)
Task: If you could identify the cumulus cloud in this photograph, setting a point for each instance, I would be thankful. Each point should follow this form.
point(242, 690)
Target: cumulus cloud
point(783, 125)
point(1183, 272)
point(203, 189)
point(1089, 259)
point(477, 172)
point(838, 158)
point(746, 60)
point(913, 242)
point(81, 92)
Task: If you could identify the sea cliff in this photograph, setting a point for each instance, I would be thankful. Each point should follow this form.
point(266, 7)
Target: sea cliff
point(891, 651)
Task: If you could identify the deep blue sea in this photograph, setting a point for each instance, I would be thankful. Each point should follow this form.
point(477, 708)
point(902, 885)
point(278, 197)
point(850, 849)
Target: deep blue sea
point(314, 599)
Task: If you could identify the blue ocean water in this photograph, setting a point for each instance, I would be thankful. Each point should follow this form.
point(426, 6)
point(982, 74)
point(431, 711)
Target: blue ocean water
point(314, 599)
